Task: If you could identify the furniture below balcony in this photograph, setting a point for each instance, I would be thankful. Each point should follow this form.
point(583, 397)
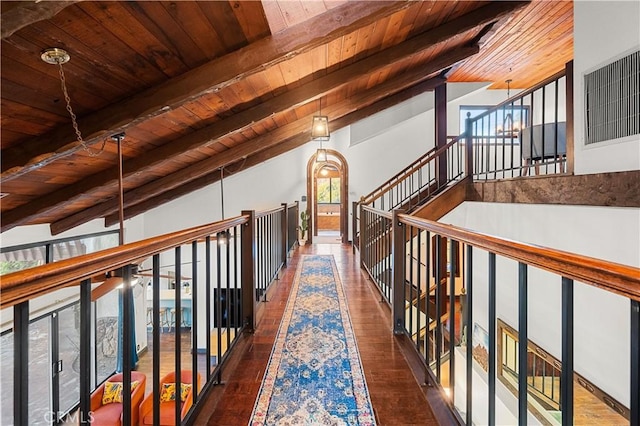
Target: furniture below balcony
point(167, 309)
point(106, 400)
point(168, 397)
point(542, 142)
point(532, 139)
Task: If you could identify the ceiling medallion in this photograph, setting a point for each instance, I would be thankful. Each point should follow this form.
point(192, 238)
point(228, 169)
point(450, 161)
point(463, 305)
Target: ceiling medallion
point(55, 56)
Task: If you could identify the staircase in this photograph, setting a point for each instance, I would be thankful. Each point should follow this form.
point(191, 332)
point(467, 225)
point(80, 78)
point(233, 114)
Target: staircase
point(406, 253)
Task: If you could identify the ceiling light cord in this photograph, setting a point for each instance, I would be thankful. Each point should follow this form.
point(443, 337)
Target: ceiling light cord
point(74, 121)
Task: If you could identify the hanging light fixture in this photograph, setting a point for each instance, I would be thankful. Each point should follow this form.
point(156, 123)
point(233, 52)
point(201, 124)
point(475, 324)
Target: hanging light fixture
point(320, 132)
point(320, 126)
point(57, 56)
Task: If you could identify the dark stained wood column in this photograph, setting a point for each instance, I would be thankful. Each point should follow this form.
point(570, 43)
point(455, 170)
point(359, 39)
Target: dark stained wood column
point(441, 130)
point(569, 117)
point(248, 277)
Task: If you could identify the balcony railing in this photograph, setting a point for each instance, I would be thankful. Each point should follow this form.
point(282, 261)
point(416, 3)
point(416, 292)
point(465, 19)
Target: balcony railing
point(528, 134)
point(444, 281)
point(213, 275)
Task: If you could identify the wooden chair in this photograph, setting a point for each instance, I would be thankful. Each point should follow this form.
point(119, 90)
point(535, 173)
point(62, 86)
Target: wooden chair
point(111, 413)
point(167, 408)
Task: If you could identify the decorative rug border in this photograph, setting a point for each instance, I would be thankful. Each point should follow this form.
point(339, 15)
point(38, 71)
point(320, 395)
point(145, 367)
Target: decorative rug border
point(361, 392)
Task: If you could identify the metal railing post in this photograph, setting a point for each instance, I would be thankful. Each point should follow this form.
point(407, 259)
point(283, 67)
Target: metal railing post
point(248, 271)
point(397, 251)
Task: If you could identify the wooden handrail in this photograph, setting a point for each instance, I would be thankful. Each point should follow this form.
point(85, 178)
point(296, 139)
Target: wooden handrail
point(620, 279)
point(406, 172)
point(382, 213)
point(23, 285)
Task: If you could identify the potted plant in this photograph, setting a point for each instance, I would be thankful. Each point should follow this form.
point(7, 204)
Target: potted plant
point(304, 226)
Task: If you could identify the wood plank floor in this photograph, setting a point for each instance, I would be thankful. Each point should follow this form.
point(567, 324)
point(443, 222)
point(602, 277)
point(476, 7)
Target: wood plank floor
point(396, 396)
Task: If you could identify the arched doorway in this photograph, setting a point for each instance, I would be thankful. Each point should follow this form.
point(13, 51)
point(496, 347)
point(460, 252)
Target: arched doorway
point(328, 196)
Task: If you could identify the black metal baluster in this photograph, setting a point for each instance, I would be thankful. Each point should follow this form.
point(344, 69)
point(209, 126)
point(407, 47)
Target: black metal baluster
point(452, 318)
point(207, 290)
point(428, 273)
point(194, 320)
point(411, 266)
point(469, 333)
point(439, 296)
point(492, 339)
point(523, 339)
point(556, 161)
point(177, 320)
point(419, 295)
point(155, 289)
point(634, 391)
point(544, 142)
point(218, 306)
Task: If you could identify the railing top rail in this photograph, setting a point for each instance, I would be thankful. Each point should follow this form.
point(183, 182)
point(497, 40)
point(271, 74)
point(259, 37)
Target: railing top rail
point(264, 213)
point(623, 280)
point(522, 94)
point(403, 175)
point(383, 213)
point(24, 285)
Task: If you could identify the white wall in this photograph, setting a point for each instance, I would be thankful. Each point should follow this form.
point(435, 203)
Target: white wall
point(601, 318)
point(603, 31)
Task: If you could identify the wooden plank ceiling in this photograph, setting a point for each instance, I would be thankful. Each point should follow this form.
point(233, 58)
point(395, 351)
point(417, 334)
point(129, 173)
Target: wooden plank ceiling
point(197, 86)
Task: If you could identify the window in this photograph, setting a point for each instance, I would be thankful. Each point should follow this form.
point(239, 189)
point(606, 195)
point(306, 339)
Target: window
point(504, 122)
point(26, 256)
point(328, 190)
point(543, 384)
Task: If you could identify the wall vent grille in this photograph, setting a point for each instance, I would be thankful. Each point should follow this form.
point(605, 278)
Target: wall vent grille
point(612, 100)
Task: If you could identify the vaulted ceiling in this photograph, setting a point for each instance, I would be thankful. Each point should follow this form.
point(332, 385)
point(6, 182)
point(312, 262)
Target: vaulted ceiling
point(200, 85)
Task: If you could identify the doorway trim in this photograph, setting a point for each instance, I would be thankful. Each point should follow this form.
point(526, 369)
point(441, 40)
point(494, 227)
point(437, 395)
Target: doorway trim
point(339, 162)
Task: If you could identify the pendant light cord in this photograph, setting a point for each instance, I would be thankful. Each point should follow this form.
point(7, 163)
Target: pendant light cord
point(74, 121)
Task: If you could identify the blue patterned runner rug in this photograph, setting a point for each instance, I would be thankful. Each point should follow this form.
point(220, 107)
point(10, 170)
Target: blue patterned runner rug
point(314, 376)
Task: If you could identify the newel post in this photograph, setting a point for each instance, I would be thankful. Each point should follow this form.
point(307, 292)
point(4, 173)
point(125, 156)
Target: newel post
point(284, 228)
point(354, 225)
point(363, 238)
point(468, 137)
point(569, 116)
point(399, 262)
point(248, 271)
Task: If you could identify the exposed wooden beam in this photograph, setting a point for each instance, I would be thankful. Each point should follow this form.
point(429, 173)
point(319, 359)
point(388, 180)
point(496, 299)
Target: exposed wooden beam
point(270, 139)
point(210, 77)
point(281, 148)
point(243, 120)
point(24, 13)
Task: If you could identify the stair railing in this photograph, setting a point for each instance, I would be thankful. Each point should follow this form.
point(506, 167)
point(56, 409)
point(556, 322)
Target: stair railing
point(426, 252)
point(406, 256)
point(417, 183)
point(231, 262)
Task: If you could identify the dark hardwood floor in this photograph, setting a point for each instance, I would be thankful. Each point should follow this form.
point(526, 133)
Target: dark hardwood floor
point(396, 395)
